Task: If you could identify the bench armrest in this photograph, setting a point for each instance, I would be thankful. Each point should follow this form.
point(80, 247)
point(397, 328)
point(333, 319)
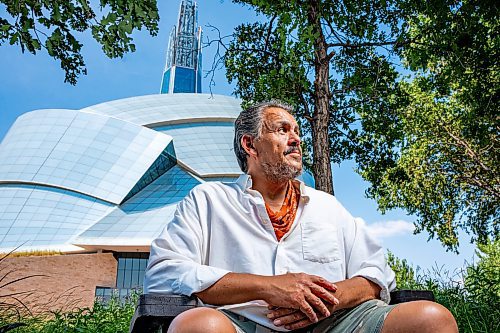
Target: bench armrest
point(401, 296)
point(155, 311)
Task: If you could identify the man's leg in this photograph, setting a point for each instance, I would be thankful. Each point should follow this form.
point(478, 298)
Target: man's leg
point(421, 317)
point(201, 320)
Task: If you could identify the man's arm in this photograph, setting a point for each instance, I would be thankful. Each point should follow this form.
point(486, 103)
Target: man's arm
point(350, 293)
point(356, 290)
point(309, 295)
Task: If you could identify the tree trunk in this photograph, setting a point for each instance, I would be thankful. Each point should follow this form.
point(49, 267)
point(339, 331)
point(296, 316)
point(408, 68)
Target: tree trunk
point(321, 115)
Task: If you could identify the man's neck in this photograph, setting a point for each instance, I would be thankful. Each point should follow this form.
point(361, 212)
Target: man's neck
point(273, 193)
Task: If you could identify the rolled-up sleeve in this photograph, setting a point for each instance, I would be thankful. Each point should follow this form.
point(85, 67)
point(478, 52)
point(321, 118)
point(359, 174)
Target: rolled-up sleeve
point(177, 256)
point(367, 260)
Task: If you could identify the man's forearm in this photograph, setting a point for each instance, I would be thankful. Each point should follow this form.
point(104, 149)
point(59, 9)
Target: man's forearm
point(308, 293)
point(234, 288)
point(354, 291)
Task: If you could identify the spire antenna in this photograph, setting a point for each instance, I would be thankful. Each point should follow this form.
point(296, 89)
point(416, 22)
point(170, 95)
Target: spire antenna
point(182, 73)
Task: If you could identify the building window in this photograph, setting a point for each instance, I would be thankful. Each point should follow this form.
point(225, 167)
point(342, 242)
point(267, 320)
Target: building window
point(131, 269)
point(129, 278)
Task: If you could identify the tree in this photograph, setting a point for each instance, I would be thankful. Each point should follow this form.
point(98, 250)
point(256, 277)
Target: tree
point(426, 143)
point(324, 57)
point(433, 150)
point(52, 25)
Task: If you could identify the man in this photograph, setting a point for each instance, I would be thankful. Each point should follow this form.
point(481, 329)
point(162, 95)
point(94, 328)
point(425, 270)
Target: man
point(274, 254)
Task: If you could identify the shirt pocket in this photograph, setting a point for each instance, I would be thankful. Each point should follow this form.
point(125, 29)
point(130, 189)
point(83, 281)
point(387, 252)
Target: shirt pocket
point(319, 241)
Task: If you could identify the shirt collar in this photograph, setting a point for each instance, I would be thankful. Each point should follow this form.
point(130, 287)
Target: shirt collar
point(245, 183)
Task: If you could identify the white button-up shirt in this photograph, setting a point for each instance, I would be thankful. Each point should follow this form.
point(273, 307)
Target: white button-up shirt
point(224, 227)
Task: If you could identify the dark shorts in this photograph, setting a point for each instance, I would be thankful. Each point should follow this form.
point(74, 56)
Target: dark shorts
point(367, 317)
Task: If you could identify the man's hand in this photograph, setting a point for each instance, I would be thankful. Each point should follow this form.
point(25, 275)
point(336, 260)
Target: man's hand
point(306, 294)
point(293, 319)
point(350, 293)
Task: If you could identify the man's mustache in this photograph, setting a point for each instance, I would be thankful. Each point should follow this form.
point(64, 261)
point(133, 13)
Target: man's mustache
point(292, 150)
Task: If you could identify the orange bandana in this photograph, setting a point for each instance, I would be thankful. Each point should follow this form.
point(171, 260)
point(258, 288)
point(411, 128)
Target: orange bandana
point(282, 220)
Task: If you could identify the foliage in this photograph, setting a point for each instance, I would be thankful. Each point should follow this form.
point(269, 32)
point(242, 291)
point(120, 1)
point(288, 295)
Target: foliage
point(55, 25)
point(325, 58)
point(405, 274)
point(111, 317)
point(427, 143)
point(483, 280)
point(472, 294)
point(433, 150)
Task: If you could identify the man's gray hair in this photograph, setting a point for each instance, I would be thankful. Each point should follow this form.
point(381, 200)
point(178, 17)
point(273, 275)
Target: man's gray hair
point(249, 122)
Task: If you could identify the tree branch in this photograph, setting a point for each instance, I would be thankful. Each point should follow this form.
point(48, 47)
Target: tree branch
point(266, 44)
point(218, 58)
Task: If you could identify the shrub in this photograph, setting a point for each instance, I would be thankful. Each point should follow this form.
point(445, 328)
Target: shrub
point(471, 294)
point(111, 317)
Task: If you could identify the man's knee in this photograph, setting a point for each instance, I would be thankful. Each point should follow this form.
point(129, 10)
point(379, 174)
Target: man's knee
point(435, 313)
point(420, 316)
point(202, 320)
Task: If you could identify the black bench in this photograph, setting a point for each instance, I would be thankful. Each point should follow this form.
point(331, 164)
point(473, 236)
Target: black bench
point(155, 312)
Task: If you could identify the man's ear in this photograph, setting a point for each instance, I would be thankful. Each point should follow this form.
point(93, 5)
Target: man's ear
point(247, 144)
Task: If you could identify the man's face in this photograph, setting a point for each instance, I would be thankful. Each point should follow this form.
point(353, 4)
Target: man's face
point(278, 147)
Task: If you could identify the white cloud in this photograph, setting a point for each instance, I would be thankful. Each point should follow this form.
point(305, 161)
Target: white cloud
point(386, 229)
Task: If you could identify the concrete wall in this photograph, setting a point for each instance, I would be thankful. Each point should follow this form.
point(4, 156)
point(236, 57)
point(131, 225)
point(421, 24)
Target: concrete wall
point(67, 281)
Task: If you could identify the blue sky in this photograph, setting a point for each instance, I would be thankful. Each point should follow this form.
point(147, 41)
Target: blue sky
point(30, 82)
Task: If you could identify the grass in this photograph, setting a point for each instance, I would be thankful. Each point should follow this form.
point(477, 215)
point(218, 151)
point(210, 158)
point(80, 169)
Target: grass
point(32, 253)
point(111, 317)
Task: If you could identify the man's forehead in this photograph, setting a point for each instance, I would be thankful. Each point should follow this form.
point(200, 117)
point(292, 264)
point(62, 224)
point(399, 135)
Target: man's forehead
point(276, 114)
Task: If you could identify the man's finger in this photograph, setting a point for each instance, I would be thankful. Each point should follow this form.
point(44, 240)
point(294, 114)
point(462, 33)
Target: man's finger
point(324, 283)
point(306, 309)
point(298, 324)
point(324, 294)
point(289, 319)
point(280, 312)
point(317, 304)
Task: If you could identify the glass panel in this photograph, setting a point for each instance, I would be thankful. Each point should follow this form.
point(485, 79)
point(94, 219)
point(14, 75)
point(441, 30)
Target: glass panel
point(120, 278)
point(163, 163)
point(128, 279)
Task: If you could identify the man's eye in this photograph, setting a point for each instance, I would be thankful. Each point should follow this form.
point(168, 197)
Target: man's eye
point(282, 130)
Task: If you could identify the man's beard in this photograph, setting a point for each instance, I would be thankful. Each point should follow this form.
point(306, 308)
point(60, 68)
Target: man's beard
point(280, 171)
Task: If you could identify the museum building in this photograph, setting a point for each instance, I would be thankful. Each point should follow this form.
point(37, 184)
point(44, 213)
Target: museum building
point(99, 183)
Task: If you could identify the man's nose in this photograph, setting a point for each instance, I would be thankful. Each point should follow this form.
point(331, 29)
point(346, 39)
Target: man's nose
point(294, 139)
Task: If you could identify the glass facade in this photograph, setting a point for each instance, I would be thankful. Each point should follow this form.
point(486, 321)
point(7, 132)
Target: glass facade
point(185, 80)
point(129, 277)
point(163, 109)
point(45, 217)
point(131, 268)
point(109, 176)
point(142, 217)
point(163, 163)
point(207, 147)
point(96, 155)
point(165, 83)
